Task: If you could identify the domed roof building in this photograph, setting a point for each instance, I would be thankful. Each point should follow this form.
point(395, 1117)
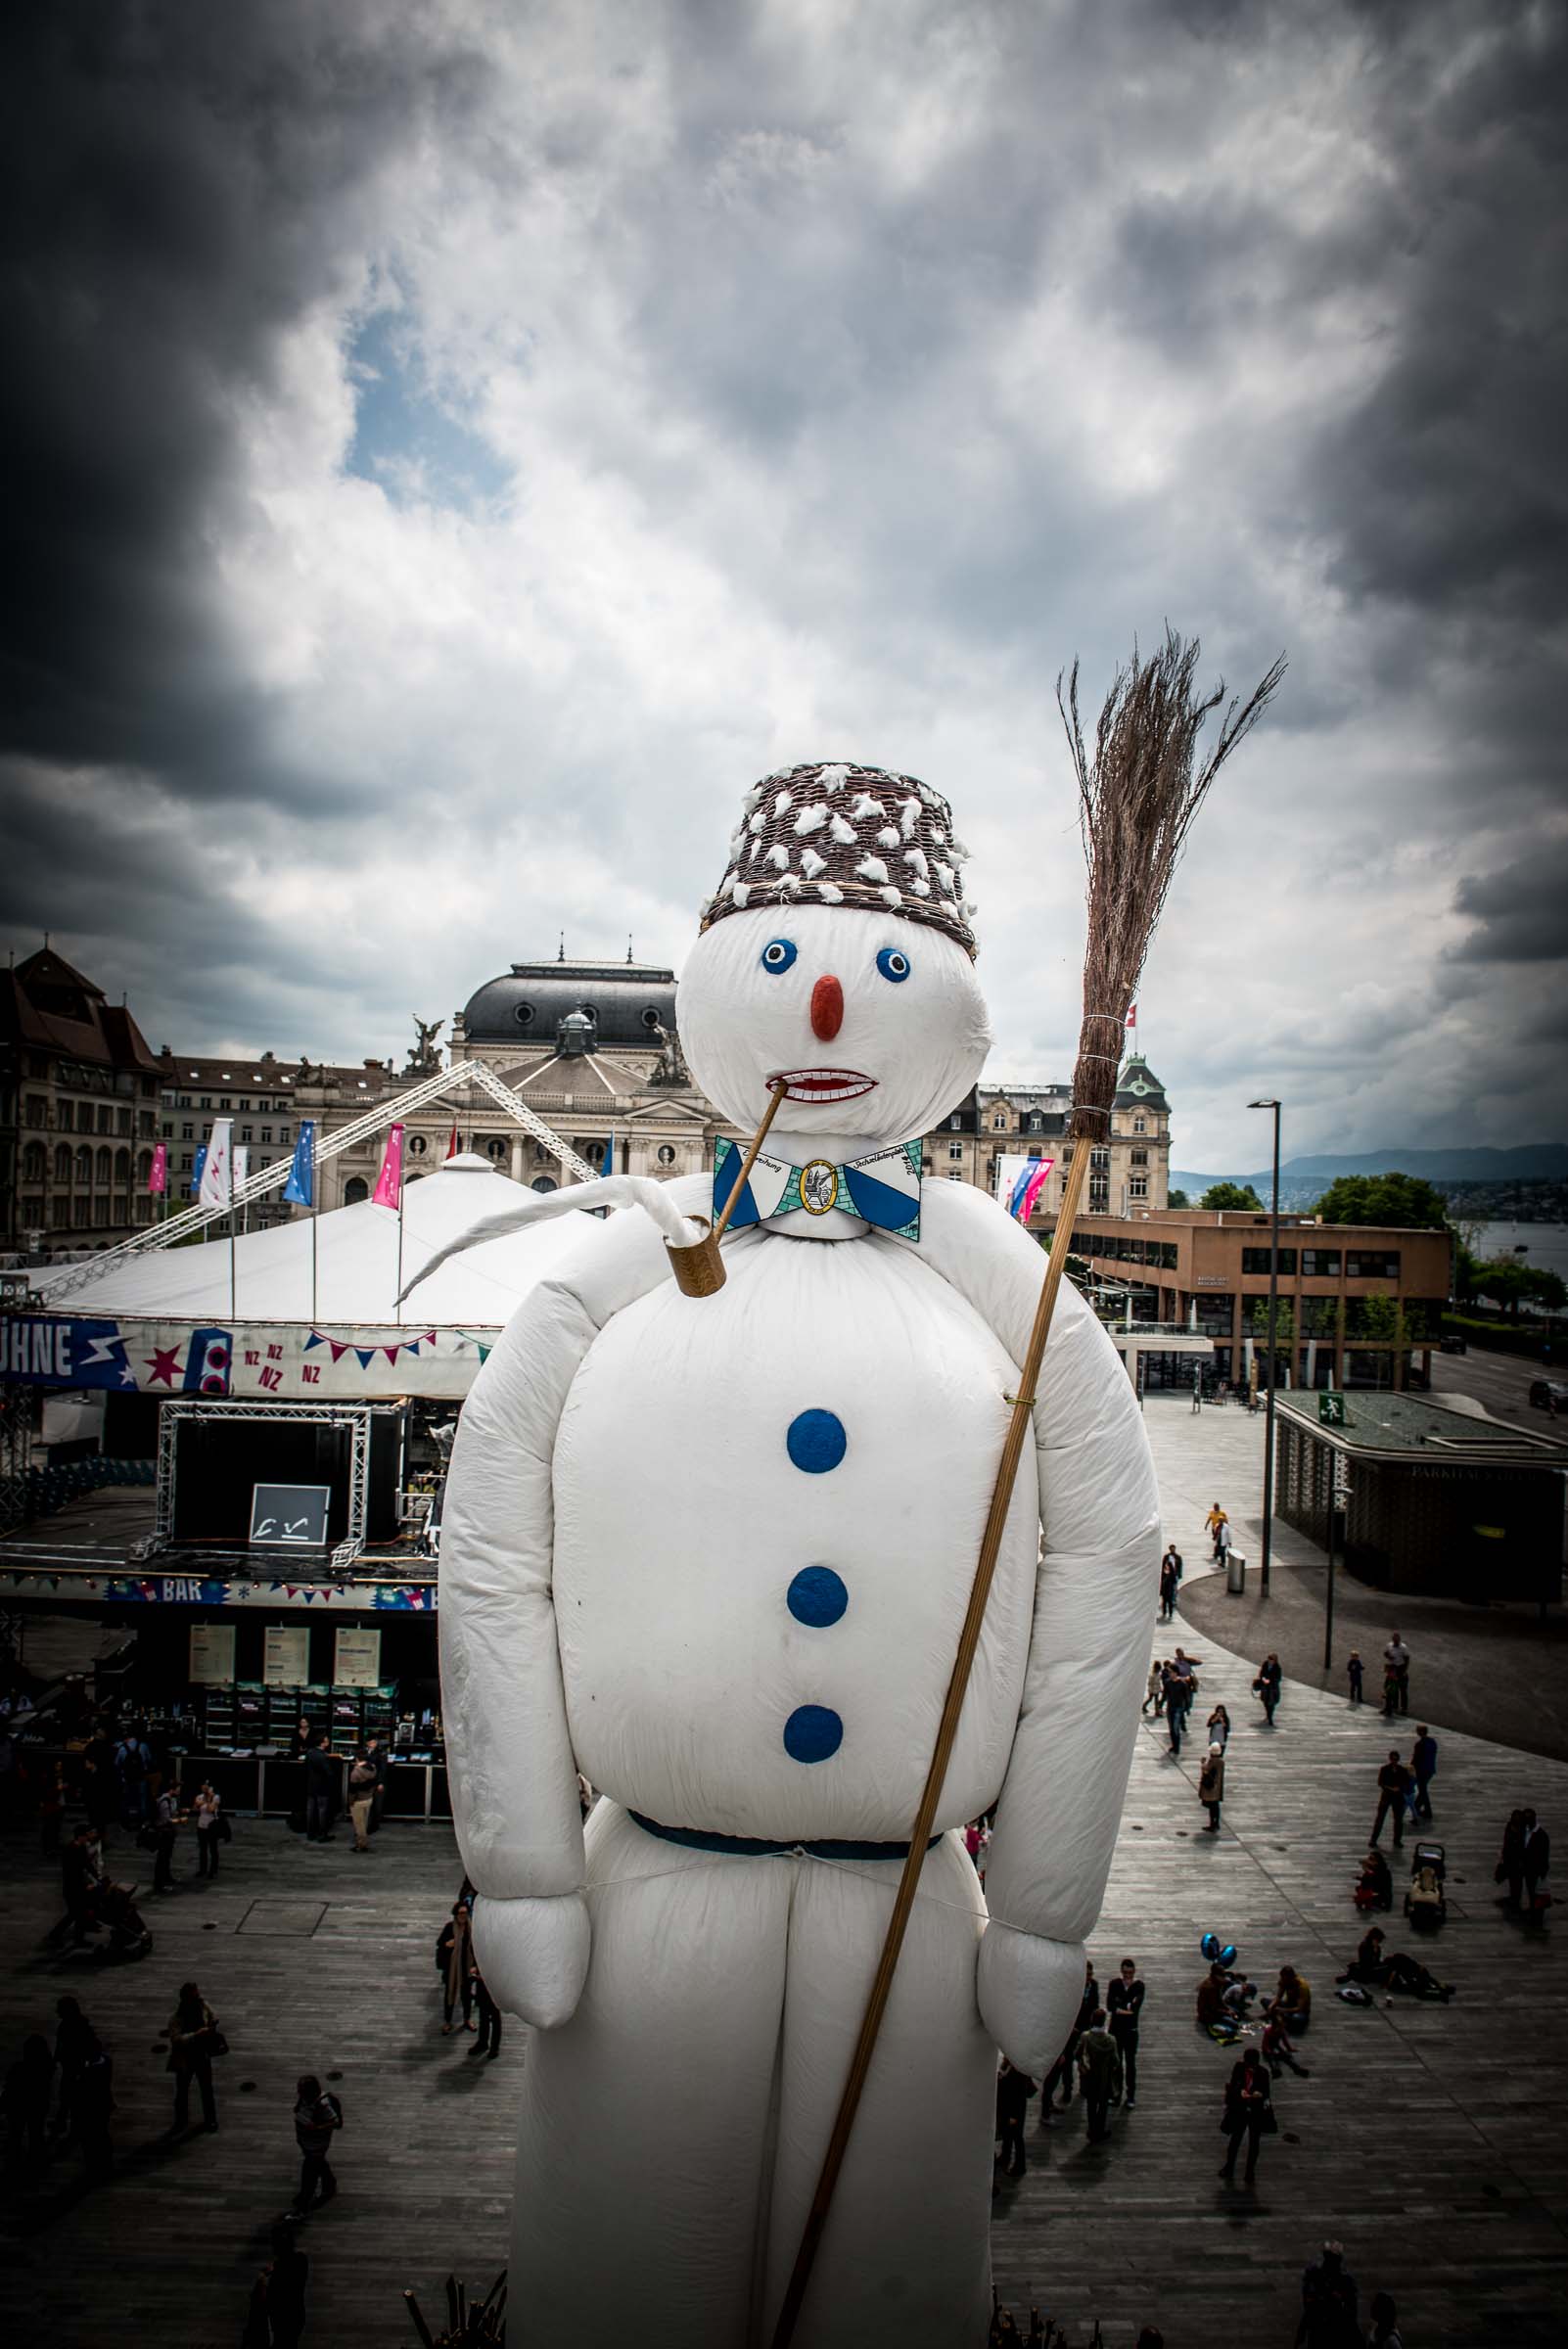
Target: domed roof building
point(626, 1002)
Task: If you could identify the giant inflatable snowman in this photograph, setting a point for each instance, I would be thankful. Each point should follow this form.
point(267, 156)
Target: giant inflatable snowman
point(714, 1552)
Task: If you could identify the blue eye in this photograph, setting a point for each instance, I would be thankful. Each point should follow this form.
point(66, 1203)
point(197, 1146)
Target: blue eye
point(894, 964)
point(778, 954)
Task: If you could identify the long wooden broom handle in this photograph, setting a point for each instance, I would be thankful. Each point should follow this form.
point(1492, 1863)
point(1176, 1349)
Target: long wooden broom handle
point(750, 1159)
point(920, 1834)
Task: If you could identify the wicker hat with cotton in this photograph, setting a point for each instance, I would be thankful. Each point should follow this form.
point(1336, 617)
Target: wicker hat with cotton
point(845, 835)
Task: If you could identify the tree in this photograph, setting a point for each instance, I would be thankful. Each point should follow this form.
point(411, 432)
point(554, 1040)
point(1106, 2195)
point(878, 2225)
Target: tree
point(1237, 1195)
point(1546, 1288)
point(1507, 1284)
point(1402, 1201)
point(1177, 1199)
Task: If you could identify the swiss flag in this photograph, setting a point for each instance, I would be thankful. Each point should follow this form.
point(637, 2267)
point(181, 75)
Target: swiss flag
point(1131, 1015)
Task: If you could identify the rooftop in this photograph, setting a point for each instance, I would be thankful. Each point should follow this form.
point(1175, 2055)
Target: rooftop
point(1409, 1427)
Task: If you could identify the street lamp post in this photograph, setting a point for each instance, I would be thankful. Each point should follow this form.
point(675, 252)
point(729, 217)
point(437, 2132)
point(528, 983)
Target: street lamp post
point(1274, 1310)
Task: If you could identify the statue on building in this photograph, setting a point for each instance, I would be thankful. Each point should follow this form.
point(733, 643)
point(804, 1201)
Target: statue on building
point(424, 1057)
point(670, 1069)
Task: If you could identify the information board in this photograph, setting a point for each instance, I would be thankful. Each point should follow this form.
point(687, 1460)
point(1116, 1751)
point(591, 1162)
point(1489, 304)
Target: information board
point(286, 1655)
point(289, 1516)
point(211, 1654)
point(358, 1662)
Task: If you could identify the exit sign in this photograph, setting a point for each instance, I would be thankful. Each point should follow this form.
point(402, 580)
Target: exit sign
point(1330, 1411)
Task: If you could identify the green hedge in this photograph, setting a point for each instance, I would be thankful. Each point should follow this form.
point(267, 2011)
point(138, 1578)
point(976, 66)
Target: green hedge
point(1509, 1337)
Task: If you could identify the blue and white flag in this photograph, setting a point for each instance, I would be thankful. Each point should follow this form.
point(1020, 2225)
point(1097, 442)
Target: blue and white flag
point(300, 1185)
point(198, 1170)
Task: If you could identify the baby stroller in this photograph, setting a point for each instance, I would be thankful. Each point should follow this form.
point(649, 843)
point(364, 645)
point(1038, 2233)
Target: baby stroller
point(1425, 1904)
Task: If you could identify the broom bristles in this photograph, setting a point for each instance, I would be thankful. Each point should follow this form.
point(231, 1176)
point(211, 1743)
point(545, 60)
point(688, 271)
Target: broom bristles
point(1137, 795)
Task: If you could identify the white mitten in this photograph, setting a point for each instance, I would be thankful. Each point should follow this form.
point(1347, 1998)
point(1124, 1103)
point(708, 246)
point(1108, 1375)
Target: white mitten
point(533, 1955)
point(1028, 1991)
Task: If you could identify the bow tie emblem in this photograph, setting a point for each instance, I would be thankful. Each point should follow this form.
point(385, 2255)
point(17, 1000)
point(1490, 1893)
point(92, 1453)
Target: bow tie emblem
point(883, 1188)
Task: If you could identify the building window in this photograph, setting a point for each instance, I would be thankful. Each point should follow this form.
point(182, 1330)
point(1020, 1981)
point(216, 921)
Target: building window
point(38, 1110)
point(187, 1131)
point(1141, 1124)
point(184, 1101)
point(1140, 1158)
point(247, 1134)
point(355, 1190)
point(1319, 1264)
point(32, 1162)
point(105, 1118)
point(223, 1101)
point(417, 1145)
point(954, 1123)
point(122, 1121)
point(206, 1101)
point(84, 1164)
point(1373, 1264)
point(62, 1163)
point(65, 1116)
point(998, 1123)
point(1100, 1161)
point(1139, 1188)
point(955, 1151)
point(1256, 1259)
point(954, 1178)
point(282, 1133)
point(496, 1148)
point(266, 1134)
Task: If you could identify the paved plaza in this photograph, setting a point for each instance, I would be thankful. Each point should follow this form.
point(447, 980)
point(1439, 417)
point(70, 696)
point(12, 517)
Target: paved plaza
point(1429, 2139)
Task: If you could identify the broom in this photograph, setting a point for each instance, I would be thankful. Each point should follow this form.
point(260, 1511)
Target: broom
point(1137, 795)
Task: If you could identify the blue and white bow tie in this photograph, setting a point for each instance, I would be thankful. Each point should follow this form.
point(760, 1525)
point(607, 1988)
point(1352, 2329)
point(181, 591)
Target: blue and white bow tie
point(882, 1189)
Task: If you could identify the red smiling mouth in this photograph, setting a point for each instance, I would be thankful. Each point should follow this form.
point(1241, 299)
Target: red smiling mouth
point(822, 1084)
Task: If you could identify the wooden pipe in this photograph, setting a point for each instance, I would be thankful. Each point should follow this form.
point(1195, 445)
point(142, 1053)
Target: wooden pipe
point(700, 1268)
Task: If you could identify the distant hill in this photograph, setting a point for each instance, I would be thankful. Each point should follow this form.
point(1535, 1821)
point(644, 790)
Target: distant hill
point(1531, 1162)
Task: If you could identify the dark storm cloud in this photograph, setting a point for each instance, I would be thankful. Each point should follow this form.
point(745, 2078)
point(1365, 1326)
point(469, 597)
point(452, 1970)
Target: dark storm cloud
point(1443, 485)
point(1521, 911)
point(177, 183)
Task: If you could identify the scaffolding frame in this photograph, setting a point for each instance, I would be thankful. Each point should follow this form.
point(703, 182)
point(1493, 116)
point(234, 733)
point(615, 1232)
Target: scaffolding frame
point(197, 1218)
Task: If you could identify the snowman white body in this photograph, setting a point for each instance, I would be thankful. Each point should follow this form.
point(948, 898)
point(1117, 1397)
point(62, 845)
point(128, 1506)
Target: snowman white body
point(715, 1554)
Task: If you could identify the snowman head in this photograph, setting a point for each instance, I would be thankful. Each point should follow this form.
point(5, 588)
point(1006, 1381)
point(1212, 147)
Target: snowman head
point(856, 988)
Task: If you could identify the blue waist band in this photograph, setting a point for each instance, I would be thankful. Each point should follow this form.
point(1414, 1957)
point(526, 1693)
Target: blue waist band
point(759, 1846)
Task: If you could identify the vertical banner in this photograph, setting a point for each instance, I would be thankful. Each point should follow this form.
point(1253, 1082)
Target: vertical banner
point(218, 1167)
point(157, 1180)
point(389, 1190)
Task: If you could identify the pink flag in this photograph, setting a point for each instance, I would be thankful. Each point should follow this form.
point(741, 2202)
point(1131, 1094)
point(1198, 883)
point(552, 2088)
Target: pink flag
point(1033, 1188)
point(389, 1181)
point(157, 1180)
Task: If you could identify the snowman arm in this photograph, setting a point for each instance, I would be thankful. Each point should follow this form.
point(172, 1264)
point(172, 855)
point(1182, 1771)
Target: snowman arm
point(1061, 1799)
point(509, 1751)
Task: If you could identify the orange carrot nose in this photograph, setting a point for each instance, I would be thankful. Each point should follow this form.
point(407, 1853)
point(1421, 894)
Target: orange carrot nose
point(827, 1010)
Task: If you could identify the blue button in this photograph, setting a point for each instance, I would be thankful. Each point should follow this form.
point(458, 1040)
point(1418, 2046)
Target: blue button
point(816, 1441)
point(816, 1595)
point(812, 1733)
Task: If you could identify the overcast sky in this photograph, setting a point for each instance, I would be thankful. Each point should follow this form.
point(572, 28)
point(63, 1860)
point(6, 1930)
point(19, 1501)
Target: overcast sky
point(454, 448)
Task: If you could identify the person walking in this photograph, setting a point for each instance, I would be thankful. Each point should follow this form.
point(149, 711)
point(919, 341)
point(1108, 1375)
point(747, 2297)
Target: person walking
point(1537, 1864)
point(1100, 2069)
point(1211, 1786)
point(282, 2289)
point(376, 1752)
point(1509, 1869)
point(1219, 1728)
point(165, 1828)
point(1170, 1571)
point(1329, 2303)
point(1013, 2092)
point(453, 1963)
point(1249, 2112)
point(207, 1808)
point(1393, 1784)
point(1064, 2069)
point(1215, 1524)
point(1154, 1694)
point(1271, 1680)
point(1197, 1395)
point(1124, 2004)
point(362, 1785)
point(194, 2039)
point(133, 1760)
point(317, 2117)
point(1423, 1770)
point(1357, 1672)
point(488, 2042)
point(81, 1875)
point(321, 1791)
point(1396, 1677)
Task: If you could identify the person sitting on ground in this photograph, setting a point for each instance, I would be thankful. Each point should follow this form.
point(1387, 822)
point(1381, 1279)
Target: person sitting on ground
point(1374, 1887)
point(1213, 2014)
point(1278, 2049)
point(1394, 1971)
point(1385, 2333)
point(1292, 2001)
point(1239, 1996)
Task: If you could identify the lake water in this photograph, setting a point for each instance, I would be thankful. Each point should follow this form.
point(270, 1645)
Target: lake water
point(1545, 1245)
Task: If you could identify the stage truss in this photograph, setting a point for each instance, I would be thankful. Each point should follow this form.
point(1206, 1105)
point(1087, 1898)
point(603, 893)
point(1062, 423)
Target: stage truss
point(356, 1416)
point(442, 1085)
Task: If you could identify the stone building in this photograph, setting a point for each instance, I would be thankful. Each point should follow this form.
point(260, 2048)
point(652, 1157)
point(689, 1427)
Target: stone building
point(1129, 1173)
point(79, 1111)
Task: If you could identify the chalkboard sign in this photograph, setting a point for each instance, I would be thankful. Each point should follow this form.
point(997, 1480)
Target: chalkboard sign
point(289, 1516)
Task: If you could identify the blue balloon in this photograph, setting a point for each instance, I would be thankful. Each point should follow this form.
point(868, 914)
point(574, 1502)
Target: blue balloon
point(1209, 1947)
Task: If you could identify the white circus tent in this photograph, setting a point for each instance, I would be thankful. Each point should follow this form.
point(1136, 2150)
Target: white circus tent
point(357, 1254)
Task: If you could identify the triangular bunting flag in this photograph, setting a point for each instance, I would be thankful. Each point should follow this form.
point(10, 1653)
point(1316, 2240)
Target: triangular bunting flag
point(364, 1356)
point(338, 1350)
point(314, 1339)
